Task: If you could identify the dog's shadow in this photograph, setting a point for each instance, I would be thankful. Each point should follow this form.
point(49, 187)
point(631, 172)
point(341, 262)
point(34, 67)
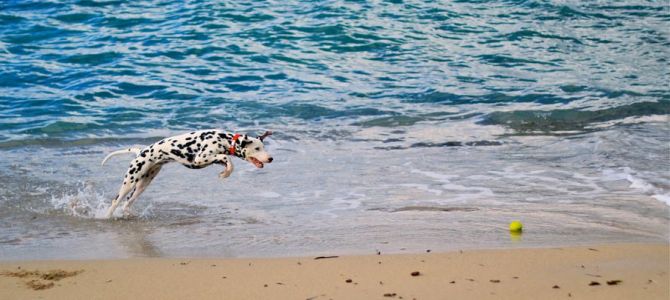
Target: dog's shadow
point(133, 235)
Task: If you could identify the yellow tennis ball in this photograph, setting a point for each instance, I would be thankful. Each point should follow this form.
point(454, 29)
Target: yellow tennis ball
point(515, 226)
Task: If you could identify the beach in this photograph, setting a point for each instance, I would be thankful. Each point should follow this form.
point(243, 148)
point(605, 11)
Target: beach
point(617, 271)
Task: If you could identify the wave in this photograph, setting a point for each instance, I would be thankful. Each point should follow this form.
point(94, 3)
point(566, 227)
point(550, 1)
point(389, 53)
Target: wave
point(529, 121)
point(439, 97)
point(90, 69)
point(638, 183)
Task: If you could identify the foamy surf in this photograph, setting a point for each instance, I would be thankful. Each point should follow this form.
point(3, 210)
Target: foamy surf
point(637, 183)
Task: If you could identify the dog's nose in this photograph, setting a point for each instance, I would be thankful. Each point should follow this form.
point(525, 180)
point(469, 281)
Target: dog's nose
point(270, 159)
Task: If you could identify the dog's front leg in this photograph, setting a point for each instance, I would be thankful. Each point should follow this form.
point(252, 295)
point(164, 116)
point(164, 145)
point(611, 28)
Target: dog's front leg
point(224, 160)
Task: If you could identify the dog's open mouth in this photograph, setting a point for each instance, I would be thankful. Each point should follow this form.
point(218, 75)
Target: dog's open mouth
point(256, 162)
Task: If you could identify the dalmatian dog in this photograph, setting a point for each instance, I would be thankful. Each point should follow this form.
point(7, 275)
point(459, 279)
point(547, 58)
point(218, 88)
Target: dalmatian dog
point(194, 150)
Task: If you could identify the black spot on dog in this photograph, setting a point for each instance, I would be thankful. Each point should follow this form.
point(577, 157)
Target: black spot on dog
point(193, 166)
point(177, 153)
point(186, 145)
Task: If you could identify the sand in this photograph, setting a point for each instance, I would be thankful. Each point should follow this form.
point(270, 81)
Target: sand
point(628, 271)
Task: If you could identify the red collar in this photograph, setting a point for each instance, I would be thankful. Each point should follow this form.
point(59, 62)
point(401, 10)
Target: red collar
point(231, 150)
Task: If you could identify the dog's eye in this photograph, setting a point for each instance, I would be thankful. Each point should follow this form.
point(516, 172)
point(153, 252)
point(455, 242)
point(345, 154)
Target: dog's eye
point(258, 149)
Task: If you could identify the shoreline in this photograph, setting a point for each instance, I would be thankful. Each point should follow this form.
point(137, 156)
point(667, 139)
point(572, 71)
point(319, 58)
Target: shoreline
point(612, 271)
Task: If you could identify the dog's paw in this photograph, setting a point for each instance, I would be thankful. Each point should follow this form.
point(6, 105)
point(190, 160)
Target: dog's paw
point(224, 174)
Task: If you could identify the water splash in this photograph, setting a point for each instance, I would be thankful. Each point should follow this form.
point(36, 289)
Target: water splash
point(90, 203)
point(85, 202)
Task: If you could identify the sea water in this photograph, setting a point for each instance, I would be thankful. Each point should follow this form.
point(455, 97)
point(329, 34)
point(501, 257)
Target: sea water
point(400, 126)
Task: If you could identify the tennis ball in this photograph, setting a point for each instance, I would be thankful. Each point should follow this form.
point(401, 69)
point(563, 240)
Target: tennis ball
point(515, 226)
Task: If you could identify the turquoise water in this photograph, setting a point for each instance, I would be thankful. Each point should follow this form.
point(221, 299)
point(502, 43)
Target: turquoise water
point(398, 124)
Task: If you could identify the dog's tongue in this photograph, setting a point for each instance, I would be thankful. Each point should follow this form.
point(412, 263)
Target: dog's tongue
point(256, 162)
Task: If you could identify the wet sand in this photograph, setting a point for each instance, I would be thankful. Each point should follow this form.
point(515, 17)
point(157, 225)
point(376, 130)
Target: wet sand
point(626, 271)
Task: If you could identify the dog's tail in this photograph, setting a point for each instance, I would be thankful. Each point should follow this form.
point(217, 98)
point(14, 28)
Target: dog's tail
point(135, 150)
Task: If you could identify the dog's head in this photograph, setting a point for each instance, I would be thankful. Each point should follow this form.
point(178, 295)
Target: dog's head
point(253, 150)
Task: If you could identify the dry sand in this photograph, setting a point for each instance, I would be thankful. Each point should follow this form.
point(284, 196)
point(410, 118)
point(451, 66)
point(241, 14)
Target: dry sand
point(594, 272)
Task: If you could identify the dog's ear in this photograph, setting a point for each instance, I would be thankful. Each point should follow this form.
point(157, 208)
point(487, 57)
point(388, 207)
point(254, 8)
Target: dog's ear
point(264, 135)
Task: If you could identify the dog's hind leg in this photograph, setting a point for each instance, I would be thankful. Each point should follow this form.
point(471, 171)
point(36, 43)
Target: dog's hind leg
point(142, 184)
point(137, 169)
point(126, 188)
